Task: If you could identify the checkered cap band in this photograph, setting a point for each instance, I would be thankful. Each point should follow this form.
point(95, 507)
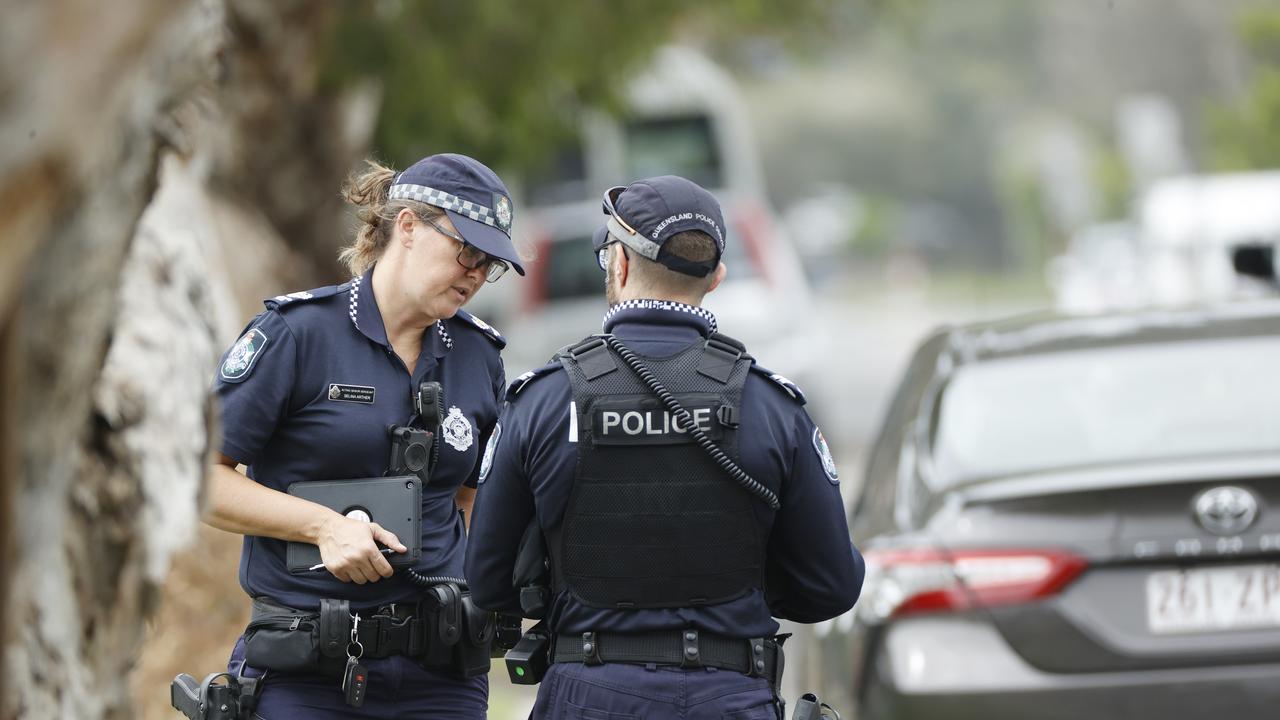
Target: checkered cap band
point(442, 199)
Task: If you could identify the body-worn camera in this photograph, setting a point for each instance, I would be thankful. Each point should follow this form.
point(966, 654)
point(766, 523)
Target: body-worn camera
point(412, 447)
point(410, 452)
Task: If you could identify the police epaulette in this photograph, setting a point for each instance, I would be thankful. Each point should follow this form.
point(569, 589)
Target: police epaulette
point(519, 383)
point(791, 388)
point(280, 301)
point(483, 327)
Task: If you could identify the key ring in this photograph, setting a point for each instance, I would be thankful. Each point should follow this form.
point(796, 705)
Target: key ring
point(355, 639)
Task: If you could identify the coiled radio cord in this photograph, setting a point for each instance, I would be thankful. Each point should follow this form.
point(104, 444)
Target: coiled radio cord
point(726, 463)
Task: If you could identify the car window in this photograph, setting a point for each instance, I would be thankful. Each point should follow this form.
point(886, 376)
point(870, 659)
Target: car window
point(682, 146)
point(874, 513)
point(561, 178)
point(571, 269)
point(1108, 405)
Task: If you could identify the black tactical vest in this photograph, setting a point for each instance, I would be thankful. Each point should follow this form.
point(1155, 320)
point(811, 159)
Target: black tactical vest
point(652, 520)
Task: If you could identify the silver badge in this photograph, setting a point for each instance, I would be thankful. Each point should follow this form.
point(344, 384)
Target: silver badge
point(1226, 510)
point(502, 212)
point(824, 454)
point(490, 448)
point(456, 429)
point(242, 356)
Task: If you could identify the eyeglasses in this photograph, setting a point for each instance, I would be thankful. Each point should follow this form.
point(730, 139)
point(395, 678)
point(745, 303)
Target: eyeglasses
point(472, 257)
point(602, 254)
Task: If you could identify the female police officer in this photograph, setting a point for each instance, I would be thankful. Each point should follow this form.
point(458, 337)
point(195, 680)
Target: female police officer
point(308, 393)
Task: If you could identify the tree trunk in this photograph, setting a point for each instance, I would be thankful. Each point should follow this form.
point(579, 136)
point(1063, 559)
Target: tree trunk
point(112, 319)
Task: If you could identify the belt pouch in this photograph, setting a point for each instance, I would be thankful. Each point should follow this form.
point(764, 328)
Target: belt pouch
point(335, 627)
point(471, 654)
point(281, 638)
point(442, 625)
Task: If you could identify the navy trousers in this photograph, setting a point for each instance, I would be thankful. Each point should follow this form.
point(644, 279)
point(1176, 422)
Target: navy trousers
point(615, 691)
point(398, 689)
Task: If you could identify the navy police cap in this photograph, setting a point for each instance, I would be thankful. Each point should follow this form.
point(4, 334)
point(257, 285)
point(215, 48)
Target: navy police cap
point(472, 195)
point(647, 213)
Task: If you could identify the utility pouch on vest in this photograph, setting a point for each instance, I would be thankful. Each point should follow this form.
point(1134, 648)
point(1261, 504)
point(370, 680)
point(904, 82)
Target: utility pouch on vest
point(281, 638)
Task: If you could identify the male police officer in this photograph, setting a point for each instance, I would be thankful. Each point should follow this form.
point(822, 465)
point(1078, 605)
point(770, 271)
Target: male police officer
point(668, 563)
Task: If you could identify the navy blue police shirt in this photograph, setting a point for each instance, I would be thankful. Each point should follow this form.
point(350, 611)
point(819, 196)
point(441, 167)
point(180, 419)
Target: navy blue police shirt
point(308, 392)
point(812, 568)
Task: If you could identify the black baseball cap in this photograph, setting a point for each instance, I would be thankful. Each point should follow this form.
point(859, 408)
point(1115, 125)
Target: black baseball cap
point(472, 195)
point(647, 213)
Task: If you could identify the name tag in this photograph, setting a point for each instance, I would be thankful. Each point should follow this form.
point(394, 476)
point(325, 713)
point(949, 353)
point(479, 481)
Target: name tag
point(352, 393)
point(646, 424)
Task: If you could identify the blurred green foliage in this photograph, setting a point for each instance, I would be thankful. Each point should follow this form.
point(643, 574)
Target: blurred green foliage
point(1245, 135)
point(503, 80)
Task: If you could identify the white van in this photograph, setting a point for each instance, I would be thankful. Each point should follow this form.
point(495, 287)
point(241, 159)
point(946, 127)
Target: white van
point(685, 118)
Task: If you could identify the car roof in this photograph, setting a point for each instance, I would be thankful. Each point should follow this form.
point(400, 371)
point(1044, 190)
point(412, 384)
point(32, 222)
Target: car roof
point(1049, 332)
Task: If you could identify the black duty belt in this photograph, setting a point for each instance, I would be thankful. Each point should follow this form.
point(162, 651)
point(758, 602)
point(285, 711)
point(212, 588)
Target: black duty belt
point(383, 632)
point(392, 630)
point(756, 657)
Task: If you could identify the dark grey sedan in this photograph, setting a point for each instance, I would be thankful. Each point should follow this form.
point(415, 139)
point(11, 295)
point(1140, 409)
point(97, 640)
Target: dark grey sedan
point(1075, 518)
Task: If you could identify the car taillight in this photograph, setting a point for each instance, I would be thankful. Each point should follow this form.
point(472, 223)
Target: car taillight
point(902, 582)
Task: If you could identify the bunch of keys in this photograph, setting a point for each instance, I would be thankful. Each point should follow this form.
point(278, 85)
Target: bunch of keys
point(355, 679)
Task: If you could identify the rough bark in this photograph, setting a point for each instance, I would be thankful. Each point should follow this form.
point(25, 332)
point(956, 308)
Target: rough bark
point(112, 319)
point(110, 394)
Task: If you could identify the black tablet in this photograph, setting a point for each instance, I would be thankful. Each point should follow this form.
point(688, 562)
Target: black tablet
point(395, 503)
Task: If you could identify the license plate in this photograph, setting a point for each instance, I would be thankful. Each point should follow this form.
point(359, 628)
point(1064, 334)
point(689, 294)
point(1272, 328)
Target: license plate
point(1209, 599)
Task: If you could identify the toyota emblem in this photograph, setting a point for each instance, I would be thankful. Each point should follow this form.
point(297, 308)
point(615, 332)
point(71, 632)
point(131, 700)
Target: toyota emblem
point(1226, 510)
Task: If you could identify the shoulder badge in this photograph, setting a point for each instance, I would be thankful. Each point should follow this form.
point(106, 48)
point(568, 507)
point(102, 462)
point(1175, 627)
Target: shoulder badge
point(490, 448)
point(791, 388)
point(484, 327)
point(243, 355)
point(301, 296)
point(519, 383)
point(824, 454)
